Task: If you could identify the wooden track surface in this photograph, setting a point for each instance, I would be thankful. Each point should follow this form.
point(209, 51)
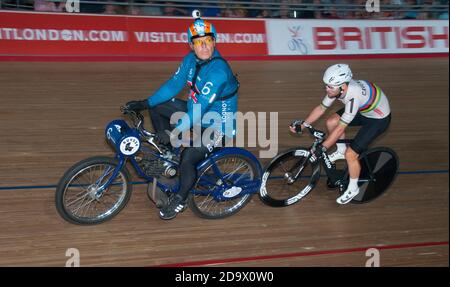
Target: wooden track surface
point(53, 115)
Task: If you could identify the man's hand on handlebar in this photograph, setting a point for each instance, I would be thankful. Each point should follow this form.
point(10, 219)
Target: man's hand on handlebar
point(137, 106)
point(163, 137)
point(296, 127)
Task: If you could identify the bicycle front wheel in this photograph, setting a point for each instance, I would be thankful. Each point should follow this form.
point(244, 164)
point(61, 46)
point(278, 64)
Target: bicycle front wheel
point(288, 178)
point(77, 199)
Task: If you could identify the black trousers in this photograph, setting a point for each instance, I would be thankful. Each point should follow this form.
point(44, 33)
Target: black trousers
point(190, 156)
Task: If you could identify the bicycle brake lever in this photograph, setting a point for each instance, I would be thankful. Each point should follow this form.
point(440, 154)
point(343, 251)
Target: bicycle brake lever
point(126, 111)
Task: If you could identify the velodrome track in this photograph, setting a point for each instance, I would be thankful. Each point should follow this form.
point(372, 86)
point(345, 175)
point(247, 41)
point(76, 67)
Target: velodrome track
point(53, 115)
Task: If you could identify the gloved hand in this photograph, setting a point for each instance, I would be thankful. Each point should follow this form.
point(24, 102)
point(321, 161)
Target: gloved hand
point(137, 105)
point(163, 137)
point(318, 151)
point(296, 126)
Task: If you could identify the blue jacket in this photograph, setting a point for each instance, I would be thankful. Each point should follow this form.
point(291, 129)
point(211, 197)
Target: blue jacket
point(215, 80)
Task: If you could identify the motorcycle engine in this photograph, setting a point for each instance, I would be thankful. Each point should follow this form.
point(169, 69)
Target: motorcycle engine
point(156, 167)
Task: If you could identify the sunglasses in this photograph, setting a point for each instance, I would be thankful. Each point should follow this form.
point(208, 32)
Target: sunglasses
point(332, 87)
point(199, 41)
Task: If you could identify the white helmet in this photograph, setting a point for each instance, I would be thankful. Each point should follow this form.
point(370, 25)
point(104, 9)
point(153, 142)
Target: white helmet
point(337, 75)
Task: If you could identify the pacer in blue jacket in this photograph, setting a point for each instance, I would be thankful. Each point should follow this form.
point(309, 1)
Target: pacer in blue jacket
point(212, 95)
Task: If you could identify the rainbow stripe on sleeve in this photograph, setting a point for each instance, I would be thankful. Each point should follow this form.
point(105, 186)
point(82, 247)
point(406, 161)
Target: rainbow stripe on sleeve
point(374, 98)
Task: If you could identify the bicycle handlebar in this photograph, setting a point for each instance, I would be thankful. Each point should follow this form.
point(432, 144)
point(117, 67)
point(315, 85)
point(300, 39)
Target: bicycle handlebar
point(317, 134)
point(138, 120)
point(320, 135)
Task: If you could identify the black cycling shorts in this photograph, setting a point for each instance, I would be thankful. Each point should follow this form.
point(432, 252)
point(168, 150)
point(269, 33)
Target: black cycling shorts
point(369, 131)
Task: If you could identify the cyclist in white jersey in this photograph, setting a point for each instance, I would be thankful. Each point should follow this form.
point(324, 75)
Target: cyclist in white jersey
point(365, 105)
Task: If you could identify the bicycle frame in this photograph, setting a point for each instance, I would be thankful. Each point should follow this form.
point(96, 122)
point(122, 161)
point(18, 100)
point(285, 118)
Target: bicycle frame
point(120, 135)
point(334, 175)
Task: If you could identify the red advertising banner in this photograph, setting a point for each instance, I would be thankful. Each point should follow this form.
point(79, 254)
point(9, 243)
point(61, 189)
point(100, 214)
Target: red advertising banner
point(30, 36)
point(78, 35)
point(356, 37)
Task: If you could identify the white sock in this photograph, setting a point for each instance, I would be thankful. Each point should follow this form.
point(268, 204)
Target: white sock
point(353, 184)
point(341, 147)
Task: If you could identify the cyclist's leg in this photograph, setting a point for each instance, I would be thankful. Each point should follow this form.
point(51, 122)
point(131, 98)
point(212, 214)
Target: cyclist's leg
point(354, 169)
point(353, 151)
point(370, 130)
point(160, 114)
point(190, 158)
point(351, 156)
point(332, 122)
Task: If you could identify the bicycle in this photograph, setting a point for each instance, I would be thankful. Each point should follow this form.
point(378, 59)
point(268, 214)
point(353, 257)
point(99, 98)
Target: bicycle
point(296, 44)
point(298, 170)
point(96, 189)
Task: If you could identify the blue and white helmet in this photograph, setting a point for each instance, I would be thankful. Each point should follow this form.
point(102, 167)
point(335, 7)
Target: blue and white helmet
point(337, 75)
point(200, 28)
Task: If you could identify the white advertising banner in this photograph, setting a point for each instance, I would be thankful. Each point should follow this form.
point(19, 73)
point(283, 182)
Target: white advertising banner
point(332, 37)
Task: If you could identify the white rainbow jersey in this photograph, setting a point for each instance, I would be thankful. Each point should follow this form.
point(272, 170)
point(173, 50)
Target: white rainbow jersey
point(363, 97)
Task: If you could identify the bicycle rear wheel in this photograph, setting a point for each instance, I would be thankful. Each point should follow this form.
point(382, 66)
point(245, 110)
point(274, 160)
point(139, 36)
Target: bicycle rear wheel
point(279, 187)
point(379, 167)
point(236, 170)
